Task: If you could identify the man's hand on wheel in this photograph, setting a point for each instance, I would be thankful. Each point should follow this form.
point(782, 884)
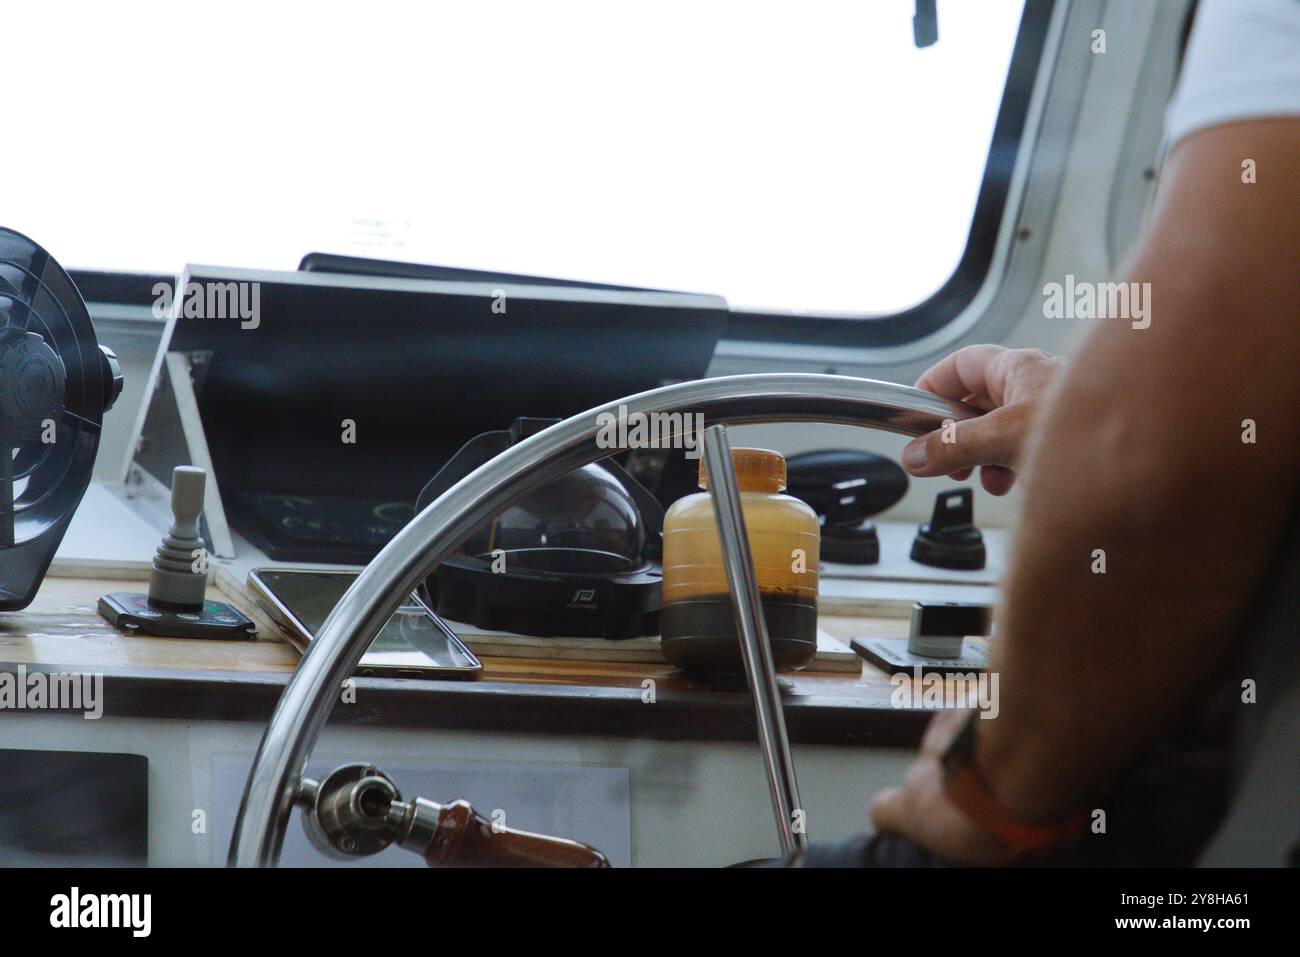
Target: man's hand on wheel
point(1009, 385)
point(922, 811)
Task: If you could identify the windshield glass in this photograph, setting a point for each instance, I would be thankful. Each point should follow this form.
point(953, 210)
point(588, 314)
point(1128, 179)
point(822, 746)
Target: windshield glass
point(790, 157)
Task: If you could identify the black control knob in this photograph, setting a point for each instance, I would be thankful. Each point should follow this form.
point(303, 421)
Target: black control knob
point(851, 544)
point(111, 370)
point(950, 539)
point(844, 487)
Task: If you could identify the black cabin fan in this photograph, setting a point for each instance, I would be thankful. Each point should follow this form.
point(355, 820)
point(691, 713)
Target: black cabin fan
point(56, 383)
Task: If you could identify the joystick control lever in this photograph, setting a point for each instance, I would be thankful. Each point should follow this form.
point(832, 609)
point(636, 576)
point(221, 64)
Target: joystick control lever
point(179, 577)
point(177, 606)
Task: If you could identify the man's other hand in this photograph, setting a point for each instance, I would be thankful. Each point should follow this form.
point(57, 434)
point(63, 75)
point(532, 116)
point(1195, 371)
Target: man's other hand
point(921, 810)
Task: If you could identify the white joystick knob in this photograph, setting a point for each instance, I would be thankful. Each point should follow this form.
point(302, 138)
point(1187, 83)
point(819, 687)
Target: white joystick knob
point(179, 575)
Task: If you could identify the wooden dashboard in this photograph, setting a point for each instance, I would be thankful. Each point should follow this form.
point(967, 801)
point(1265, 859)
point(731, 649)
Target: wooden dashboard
point(241, 680)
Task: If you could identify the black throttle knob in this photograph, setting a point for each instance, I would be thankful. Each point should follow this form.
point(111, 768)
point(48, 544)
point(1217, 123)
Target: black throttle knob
point(950, 539)
point(844, 487)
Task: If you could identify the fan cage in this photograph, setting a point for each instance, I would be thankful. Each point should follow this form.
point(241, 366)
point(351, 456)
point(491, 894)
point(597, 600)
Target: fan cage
point(41, 483)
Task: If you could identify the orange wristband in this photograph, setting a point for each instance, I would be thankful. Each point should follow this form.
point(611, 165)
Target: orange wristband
point(971, 794)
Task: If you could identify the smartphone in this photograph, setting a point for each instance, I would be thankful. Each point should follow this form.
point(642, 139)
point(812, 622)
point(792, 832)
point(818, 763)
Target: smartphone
point(415, 643)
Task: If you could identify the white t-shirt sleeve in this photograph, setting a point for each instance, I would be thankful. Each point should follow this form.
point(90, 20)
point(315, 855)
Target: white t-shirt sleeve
point(1242, 62)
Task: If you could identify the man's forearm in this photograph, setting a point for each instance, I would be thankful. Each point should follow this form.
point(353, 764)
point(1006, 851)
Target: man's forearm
point(1139, 456)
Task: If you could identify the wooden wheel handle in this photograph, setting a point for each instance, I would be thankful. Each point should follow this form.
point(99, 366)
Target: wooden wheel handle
point(464, 838)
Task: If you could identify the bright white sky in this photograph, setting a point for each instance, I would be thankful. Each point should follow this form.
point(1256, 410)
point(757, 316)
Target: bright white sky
point(785, 155)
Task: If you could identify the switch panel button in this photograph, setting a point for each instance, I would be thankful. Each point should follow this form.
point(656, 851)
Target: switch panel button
point(938, 629)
